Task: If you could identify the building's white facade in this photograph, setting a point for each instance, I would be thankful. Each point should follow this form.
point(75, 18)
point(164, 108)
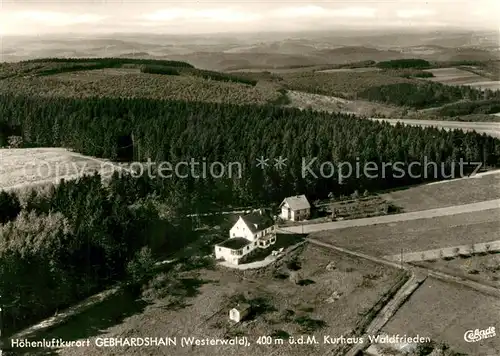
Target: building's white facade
point(240, 229)
point(244, 238)
point(295, 208)
point(239, 313)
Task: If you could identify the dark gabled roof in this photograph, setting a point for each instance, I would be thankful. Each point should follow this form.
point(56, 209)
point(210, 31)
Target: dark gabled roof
point(235, 243)
point(257, 222)
point(298, 202)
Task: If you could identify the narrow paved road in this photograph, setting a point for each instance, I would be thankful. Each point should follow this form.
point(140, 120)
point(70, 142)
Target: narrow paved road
point(424, 214)
point(489, 128)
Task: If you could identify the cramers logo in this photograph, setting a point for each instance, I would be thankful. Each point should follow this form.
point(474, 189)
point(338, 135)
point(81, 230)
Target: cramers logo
point(478, 335)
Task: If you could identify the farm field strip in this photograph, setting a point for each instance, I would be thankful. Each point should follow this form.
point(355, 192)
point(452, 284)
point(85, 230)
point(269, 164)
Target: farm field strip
point(475, 176)
point(350, 70)
point(420, 272)
point(456, 76)
point(451, 251)
point(473, 189)
point(479, 267)
point(445, 312)
point(416, 215)
point(453, 76)
point(416, 235)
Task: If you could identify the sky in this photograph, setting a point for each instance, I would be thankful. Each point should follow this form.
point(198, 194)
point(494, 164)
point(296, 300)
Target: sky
point(31, 17)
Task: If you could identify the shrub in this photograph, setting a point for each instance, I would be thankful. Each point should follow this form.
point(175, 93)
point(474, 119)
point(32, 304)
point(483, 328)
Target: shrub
point(309, 325)
point(10, 207)
point(281, 334)
point(141, 266)
point(156, 69)
point(15, 141)
point(294, 264)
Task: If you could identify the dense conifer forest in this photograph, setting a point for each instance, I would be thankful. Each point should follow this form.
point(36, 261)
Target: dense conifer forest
point(177, 131)
point(491, 106)
point(424, 94)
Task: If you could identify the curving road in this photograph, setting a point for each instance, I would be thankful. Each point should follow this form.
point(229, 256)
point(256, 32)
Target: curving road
point(489, 128)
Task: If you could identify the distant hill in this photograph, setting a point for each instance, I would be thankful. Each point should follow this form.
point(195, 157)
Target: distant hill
point(261, 51)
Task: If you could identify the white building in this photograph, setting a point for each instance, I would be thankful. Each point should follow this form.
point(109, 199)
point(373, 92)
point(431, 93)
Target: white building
point(295, 208)
point(239, 313)
point(250, 233)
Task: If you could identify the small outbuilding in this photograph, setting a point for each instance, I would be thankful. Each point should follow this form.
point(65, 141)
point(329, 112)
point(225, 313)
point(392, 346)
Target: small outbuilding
point(240, 312)
point(295, 208)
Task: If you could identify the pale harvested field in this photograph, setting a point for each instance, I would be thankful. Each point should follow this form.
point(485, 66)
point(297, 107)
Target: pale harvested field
point(417, 235)
point(32, 166)
point(445, 194)
point(350, 70)
point(303, 100)
point(479, 267)
point(454, 76)
point(360, 284)
point(444, 312)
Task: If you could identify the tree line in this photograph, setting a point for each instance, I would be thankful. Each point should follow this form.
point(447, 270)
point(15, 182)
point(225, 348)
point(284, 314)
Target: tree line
point(68, 242)
point(404, 64)
point(111, 62)
point(424, 95)
point(491, 106)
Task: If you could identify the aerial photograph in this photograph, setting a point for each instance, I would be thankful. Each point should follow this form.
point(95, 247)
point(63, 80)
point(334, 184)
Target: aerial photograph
point(249, 178)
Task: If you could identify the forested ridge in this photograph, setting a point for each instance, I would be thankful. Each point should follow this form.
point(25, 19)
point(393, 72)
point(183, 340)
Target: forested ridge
point(424, 94)
point(176, 131)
